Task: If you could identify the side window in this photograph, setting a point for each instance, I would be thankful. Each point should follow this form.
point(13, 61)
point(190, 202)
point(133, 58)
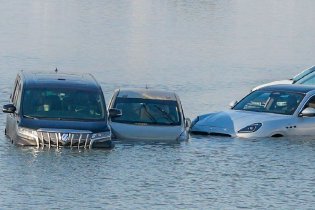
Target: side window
point(18, 97)
point(15, 92)
point(310, 103)
point(13, 95)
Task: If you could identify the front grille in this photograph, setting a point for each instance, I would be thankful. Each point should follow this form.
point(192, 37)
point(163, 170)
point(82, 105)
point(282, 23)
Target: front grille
point(211, 133)
point(58, 138)
point(199, 133)
point(220, 134)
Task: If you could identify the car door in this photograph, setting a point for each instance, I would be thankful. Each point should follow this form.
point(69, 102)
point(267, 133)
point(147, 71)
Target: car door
point(305, 125)
point(13, 118)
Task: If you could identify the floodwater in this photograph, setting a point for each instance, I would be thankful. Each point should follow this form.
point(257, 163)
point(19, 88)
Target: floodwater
point(210, 52)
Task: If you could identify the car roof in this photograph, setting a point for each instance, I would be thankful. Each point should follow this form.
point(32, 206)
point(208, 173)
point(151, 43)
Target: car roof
point(290, 88)
point(32, 79)
point(147, 94)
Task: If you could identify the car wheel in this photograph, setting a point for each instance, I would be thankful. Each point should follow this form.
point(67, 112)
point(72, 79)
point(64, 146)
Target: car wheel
point(277, 135)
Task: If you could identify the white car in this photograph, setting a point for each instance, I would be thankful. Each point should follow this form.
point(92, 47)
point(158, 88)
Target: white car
point(306, 77)
point(146, 114)
point(273, 111)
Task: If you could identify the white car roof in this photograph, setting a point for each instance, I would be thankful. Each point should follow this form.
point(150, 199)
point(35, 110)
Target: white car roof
point(292, 88)
point(147, 94)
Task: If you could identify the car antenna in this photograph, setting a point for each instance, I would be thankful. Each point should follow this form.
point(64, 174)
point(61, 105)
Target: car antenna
point(146, 86)
point(56, 70)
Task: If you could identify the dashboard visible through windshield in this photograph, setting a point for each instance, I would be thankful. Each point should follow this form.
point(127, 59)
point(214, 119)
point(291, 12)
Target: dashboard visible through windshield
point(277, 102)
point(147, 111)
point(63, 104)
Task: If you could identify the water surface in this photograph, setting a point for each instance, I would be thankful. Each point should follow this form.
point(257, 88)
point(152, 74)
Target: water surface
point(210, 52)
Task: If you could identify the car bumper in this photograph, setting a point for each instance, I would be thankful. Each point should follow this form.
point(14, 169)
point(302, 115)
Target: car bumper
point(124, 131)
point(56, 139)
point(211, 130)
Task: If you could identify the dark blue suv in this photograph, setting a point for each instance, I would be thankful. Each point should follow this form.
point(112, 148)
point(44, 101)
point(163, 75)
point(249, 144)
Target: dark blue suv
point(52, 109)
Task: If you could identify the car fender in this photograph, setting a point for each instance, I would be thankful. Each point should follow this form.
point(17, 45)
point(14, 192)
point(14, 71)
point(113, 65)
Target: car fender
point(275, 128)
point(268, 129)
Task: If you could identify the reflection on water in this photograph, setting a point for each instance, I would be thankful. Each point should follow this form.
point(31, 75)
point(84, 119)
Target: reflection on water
point(210, 52)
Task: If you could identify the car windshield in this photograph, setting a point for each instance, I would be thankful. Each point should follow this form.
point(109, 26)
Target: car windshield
point(277, 102)
point(63, 104)
point(147, 111)
point(303, 75)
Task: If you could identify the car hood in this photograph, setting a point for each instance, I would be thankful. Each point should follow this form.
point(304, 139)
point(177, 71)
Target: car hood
point(93, 126)
point(279, 82)
point(146, 132)
point(231, 121)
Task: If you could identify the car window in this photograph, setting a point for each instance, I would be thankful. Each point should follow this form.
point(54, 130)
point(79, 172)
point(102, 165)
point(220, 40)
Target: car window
point(303, 74)
point(14, 95)
point(147, 111)
point(18, 97)
point(308, 80)
point(310, 103)
point(63, 104)
point(272, 102)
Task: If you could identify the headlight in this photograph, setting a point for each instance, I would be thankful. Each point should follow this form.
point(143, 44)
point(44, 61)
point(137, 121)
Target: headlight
point(27, 133)
point(101, 136)
point(251, 128)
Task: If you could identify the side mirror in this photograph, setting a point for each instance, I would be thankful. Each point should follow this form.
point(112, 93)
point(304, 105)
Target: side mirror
point(9, 108)
point(187, 122)
point(233, 103)
point(307, 112)
point(114, 112)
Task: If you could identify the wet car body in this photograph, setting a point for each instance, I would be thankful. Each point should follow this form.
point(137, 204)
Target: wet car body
point(52, 109)
point(265, 112)
point(147, 114)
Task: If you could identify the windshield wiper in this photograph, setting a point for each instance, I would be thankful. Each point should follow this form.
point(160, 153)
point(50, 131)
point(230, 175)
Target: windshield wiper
point(148, 113)
point(30, 117)
point(166, 115)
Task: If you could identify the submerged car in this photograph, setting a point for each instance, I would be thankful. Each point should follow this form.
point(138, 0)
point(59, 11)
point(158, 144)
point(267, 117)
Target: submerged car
point(273, 111)
point(57, 110)
point(145, 114)
point(306, 77)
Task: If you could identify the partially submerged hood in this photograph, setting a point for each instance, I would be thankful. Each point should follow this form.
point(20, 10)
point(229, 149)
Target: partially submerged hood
point(231, 121)
point(146, 132)
point(93, 126)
